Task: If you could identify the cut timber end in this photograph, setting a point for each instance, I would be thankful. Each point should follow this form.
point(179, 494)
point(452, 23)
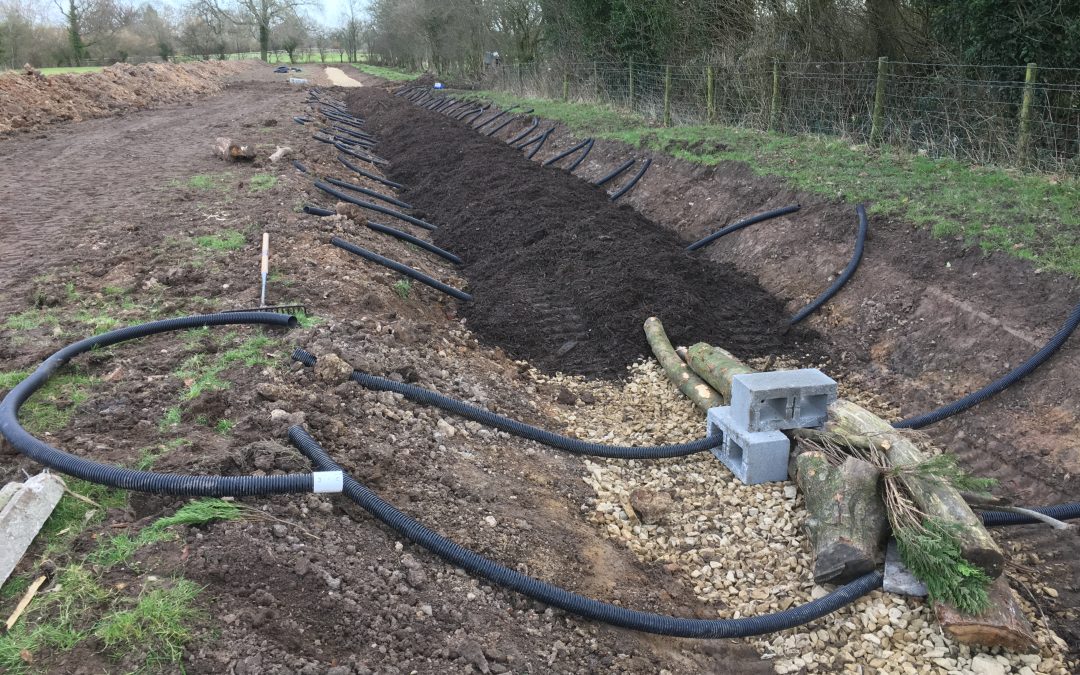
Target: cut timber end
point(22, 517)
point(693, 387)
point(231, 151)
point(1003, 624)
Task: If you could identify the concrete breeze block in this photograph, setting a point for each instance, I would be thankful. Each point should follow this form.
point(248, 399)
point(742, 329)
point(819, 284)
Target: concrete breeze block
point(782, 399)
point(754, 457)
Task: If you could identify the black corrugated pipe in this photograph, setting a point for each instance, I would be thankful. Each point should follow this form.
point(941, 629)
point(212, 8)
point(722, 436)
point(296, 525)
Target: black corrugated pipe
point(147, 481)
point(567, 153)
point(539, 145)
point(318, 211)
point(520, 429)
point(581, 158)
point(523, 134)
point(357, 135)
point(534, 139)
point(494, 117)
point(633, 181)
point(370, 193)
point(299, 167)
point(615, 172)
point(374, 207)
point(1001, 384)
point(506, 122)
point(372, 159)
point(853, 264)
point(405, 236)
point(572, 602)
point(775, 213)
point(400, 268)
point(355, 169)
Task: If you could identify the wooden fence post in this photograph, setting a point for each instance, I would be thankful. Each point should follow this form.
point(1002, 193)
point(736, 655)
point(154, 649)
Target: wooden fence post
point(1023, 145)
point(596, 81)
point(631, 83)
point(710, 96)
point(566, 85)
point(667, 96)
point(774, 102)
point(877, 127)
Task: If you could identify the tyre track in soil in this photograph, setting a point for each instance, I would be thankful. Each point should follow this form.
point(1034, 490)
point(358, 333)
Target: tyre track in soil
point(53, 205)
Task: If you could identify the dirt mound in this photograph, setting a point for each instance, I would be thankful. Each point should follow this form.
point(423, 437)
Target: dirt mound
point(561, 276)
point(29, 101)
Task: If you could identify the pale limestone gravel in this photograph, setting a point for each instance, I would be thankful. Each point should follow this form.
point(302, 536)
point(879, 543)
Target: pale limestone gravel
point(338, 78)
point(742, 548)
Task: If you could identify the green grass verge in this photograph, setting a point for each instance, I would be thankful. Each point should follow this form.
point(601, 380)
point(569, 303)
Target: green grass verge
point(393, 74)
point(1031, 216)
point(51, 407)
point(226, 240)
point(202, 373)
point(69, 70)
point(161, 622)
point(262, 181)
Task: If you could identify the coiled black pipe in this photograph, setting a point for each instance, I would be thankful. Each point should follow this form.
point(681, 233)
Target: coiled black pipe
point(403, 269)
point(572, 602)
point(581, 158)
point(374, 207)
point(615, 172)
point(633, 181)
point(355, 169)
point(506, 122)
point(539, 145)
point(488, 418)
point(370, 193)
point(299, 167)
point(852, 265)
point(405, 236)
point(567, 153)
point(1001, 384)
point(745, 222)
point(128, 479)
point(523, 134)
point(318, 211)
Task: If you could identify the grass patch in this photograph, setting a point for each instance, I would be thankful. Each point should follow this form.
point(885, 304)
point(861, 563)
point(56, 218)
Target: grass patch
point(31, 319)
point(207, 181)
point(226, 240)
point(51, 407)
point(201, 373)
point(1031, 216)
point(170, 419)
point(402, 287)
point(160, 623)
point(69, 70)
point(9, 379)
point(262, 181)
point(224, 427)
point(392, 74)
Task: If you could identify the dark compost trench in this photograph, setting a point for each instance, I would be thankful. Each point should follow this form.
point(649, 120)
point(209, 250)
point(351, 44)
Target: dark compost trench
point(560, 276)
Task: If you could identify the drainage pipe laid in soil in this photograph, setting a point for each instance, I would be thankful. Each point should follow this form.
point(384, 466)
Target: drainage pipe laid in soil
point(615, 172)
point(374, 207)
point(494, 117)
point(572, 602)
point(581, 158)
point(370, 193)
point(543, 137)
point(746, 222)
point(318, 211)
point(526, 132)
point(568, 152)
point(149, 481)
point(520, 429)
point(405, 236)
point(853, 264)
point(401, 269)
point(366, 174)
point(633, 181)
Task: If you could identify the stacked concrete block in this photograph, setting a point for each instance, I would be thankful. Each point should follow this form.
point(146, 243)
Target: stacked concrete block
point(755, 448)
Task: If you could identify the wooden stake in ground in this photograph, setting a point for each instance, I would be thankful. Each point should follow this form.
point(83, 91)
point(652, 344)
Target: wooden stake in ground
point(695, 389)
point(847, 523)
point(25, 602)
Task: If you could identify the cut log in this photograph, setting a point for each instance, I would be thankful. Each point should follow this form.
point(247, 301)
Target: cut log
point(847, 521)
point(716, 366)
point(1003, 624)
point(695, 389)
point(935, 499)
point(232, 151)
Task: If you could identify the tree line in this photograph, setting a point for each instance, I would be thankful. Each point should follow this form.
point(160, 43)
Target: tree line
point(75, 32)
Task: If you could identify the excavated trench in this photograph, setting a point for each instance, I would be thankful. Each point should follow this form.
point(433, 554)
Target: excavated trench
point(560, 276)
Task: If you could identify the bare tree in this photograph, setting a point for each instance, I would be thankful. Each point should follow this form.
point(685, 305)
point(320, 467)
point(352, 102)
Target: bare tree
point(264, 15)
point(90, 21)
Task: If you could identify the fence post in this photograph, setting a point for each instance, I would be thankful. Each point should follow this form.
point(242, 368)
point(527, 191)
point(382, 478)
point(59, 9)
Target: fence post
point(1024, 142)
point(774, 102)
point(566, 85)
point(596, 82)
point(876, 128)
point(631, 83)
point(667, 96)
point(710, 96)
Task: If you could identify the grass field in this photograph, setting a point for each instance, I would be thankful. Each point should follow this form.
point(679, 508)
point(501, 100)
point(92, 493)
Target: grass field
point(1031, 216)
point(394, 74)
point(65, 70)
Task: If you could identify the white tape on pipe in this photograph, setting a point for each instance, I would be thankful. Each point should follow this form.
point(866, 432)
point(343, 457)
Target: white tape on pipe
point(328, 481)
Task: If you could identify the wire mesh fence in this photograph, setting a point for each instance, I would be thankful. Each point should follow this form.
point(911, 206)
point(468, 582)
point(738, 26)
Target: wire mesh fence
point(1020, 116)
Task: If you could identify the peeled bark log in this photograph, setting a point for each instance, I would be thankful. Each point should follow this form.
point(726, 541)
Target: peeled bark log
point(1003, 624)
point(695, 389)
point(847, 521)
point(934, 498)
point(716, 366)
point(231, 151)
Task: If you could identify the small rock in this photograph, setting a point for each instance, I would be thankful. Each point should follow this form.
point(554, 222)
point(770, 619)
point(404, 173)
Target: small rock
point(650, 506)
point(490, 520)
point(565, 396)
point(280, 530)
point(985, 664)
point(471, 651)
point(444, 428)
point(278, 415)
point(791, 492)
point(332, 368)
